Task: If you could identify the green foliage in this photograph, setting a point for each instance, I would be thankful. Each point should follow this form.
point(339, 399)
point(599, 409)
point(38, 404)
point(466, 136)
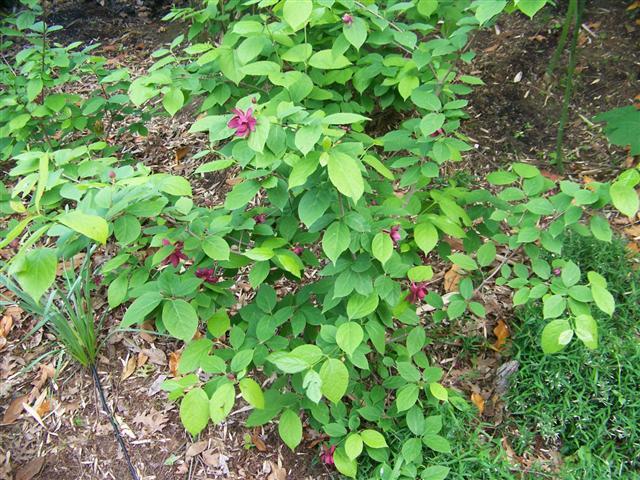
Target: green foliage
point(599, 434)
point(622, 127)
point(287, 96)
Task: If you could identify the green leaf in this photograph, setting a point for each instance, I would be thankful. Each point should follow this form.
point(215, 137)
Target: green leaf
point(531, 7)
point(437, 443)
point(193, 354)
point(501, 177)
point(431, 123)
point(438, 391)
point(587, 330)
point(356, 33)
point(345, 174)
point(335, 379)
point(126, 229)
point(216, 248)
point(570, 274)
point(463, 261)
point(600, 228)
point(603, 299)
point(624, 198)
point(346, 466)
point(623, 125)
point(360, 306)
point(426, 236)
point(241, 360)
point(336, 240)
point(117, 291)
point(180, 319)
point(241, 194)
point(343, 118)
point(173, 100)
point(349, 336)
point(194, 411)
point(486, 254)
point(382, 247)
point(421, 273)
point(555, 336)
point(297, 13)
point(36, 271)
point(251, 392)
point(435, 472)
point(426, 8)
point(373, 439)
point(326, 60)
point(553, 306)
point(487, 9)
point(92, 226)
point(353, 446)
point(290, 429)
point(222, 402)
point(426, 99)
point(219, 323)
point(407, 397)
point(140, 308)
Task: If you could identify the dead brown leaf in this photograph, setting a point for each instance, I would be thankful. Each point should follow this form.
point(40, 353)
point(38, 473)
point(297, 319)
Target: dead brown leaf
point(12, 413)
point(196, 448)
point(633, 231)
point(141, 360)
point(478, 401)
point(501, 331)
point(277, 472)
point(153, 422)
point(174, 360)
point(6, 324)
point(31, 469)
point(181, 153)
point(258, 442)
point(452, 279)
point(129, 368)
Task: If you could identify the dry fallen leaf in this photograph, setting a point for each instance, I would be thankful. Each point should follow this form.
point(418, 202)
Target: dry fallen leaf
point(633, 231)
point(12, 413)
point(6, 323)
point(129, 368)
point(174, 359)
point(181, 153)
point(31, 469)
point(142, 359)
point(258, 442)
point(478, 401)
point(501, 331)
point(277, 472)
point(196, 448)
point(452, 279)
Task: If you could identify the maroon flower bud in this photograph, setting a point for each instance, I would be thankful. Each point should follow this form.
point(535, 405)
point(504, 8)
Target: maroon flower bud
point(261, 218)
point(438, 133)
point(208, 275)
point(176, 256)
point(557, 271)
point(112, 175)
point(166, 242)
point(242, 122)
point(327, 454)
point(347, 19)
point(394, 233)
point(417, 292)
point(297, 250)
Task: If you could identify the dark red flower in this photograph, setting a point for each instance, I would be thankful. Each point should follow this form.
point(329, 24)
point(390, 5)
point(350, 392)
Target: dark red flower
point(347, 19)
point(297, 250)
point(438, 133)
point(327, 454)
point(112, 175)
point(208, 275)
point(176, 256)
point(261, 218)
point(417, 292)
point(394, 233)
point(243, 122)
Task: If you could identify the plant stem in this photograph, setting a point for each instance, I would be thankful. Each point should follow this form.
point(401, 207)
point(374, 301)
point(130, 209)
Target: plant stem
point(562, 41)
point(568, 89)
point(114, 424)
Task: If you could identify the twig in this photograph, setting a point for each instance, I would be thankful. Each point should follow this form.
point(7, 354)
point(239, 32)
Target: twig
point(496, 270)
point(114, 424)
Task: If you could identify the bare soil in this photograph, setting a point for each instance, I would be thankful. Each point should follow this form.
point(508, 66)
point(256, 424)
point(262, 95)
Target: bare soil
point(64, 435)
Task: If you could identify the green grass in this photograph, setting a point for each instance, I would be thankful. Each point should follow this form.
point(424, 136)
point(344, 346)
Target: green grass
point(583, 403)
